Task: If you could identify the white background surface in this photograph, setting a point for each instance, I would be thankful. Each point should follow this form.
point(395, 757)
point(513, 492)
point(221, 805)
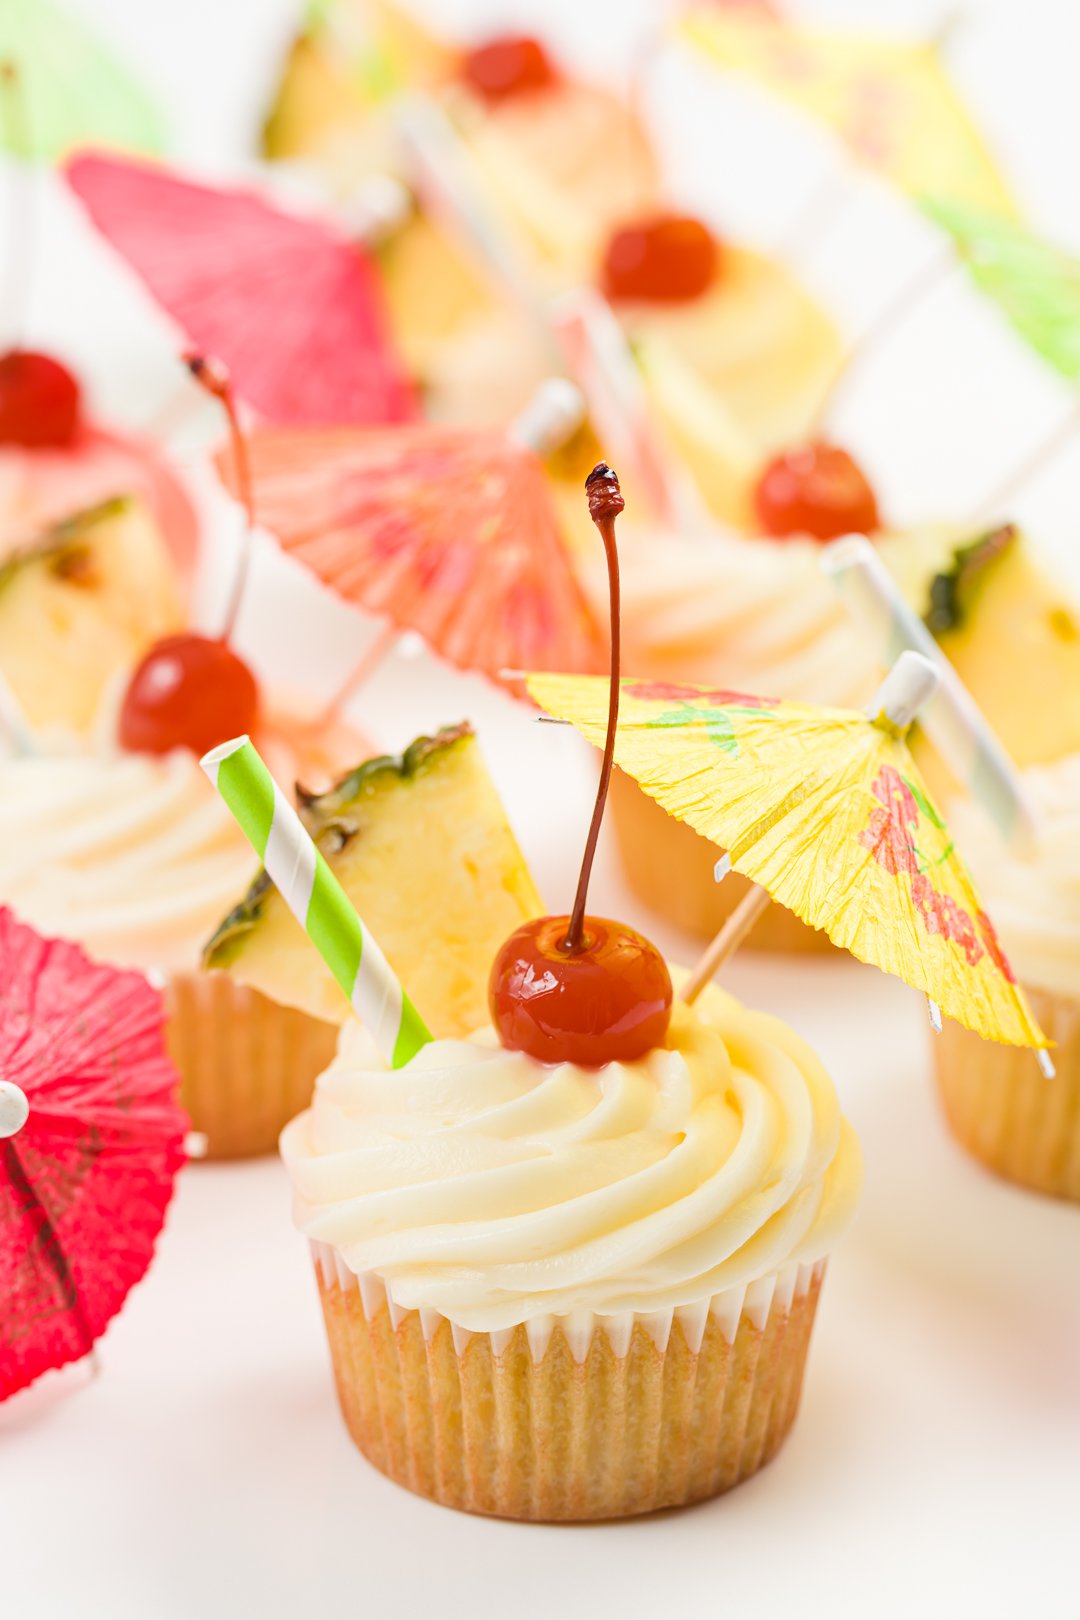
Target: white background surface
point(935, 1468)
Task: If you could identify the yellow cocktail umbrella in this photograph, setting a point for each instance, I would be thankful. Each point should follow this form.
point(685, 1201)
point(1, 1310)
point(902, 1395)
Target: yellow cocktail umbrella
point(825, 809)
point(891, 102)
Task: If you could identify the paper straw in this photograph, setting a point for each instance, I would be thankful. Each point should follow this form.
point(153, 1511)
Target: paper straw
point(952, 719)
point(449, 187)
point(600, 361)
point(551, 417)
point(316, 899)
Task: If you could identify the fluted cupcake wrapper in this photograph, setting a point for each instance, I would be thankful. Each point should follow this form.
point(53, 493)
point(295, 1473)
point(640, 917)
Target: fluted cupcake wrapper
point(570, 1418)
point(1003, 1109)
point(247, 1064)
point(670, 867)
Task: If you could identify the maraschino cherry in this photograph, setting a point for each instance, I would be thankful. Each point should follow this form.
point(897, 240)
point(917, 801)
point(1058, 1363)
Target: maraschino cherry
point(584, 989)
point(192, 691)
point(39, 401)
point(39, 398)
point(509, 65)
point(818, 490)
point(668, 258)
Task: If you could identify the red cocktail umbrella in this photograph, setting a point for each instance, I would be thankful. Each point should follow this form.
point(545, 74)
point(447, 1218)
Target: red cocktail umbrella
point(294, 310)
point(447, 531)
point(92, 1138)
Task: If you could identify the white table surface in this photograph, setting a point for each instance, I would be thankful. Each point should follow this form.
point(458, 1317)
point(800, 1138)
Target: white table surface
point(935, 1467)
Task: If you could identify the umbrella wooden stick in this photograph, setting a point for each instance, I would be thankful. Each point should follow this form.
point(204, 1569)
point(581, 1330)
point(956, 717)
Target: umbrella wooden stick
point(727, 941)
point(381, 645)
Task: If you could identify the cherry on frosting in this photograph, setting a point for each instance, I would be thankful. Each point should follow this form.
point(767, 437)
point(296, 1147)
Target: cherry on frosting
point(509, 65)
point(39, 398)
point(189, 690)
point(39, 401)
point(582, 989)
point(669, 258)
point(817, 489)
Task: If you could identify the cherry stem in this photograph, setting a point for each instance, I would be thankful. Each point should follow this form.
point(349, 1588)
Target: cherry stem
point(605, 504)
point(214, 378)
point(20, 207)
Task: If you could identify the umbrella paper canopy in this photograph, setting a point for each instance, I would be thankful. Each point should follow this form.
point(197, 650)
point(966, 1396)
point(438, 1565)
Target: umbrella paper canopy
point(1036, 284)
point(85, 1182)
point(826, 809)
point(890, 102)
point(293, 310)
point(447, 531)
point(71, 88)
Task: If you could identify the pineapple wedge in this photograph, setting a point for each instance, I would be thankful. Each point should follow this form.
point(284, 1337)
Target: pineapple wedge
point(1013, 637)
point(80, 603)
point(423, 848)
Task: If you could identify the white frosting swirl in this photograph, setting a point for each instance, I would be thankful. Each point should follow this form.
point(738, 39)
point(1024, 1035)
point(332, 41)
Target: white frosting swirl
point(754, 614)
point(494, 1189)
point(135, 855)
point(1034, 900)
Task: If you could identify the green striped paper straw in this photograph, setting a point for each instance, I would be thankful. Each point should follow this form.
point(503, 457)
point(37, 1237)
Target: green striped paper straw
point(316, 899)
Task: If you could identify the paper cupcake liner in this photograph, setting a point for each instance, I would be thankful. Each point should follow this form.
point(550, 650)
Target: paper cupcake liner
point(1002, 1108)
point(670, 867)
point(247, 1064)
point(579, 1417)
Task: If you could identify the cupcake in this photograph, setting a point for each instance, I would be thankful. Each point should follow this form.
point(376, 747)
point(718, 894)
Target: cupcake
point(133, 856)
point(555, 1292)
point(758, 615)
point(997, 1102)
point(569, 1262)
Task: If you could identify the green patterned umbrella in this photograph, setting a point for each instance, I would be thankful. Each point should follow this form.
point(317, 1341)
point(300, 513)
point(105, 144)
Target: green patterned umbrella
point(1035, 284)
point(73, 92)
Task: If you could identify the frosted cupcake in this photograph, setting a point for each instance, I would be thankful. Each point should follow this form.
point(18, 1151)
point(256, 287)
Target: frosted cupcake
point(133, 856)
point(759, 615)
point(555, 1292)
point(997, 1102)
point(744, 615)
point(569, 1264)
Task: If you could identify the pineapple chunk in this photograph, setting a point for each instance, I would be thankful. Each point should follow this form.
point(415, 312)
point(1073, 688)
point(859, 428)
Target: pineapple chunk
point(423, 849)
point(80, 603)
point(1013, 637)
point(315, 101)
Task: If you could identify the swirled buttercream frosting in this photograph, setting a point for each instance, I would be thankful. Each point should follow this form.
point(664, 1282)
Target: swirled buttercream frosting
point(131, 854)
point(482, 1184)
point(134, 855)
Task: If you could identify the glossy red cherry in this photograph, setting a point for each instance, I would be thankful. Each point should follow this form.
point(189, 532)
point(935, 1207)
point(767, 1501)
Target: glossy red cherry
point(669, 258)
point(609, 1002)
point(581, 989)
point(817, 490)
point(189, 691)
point(509, 65)
point(39, 401)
